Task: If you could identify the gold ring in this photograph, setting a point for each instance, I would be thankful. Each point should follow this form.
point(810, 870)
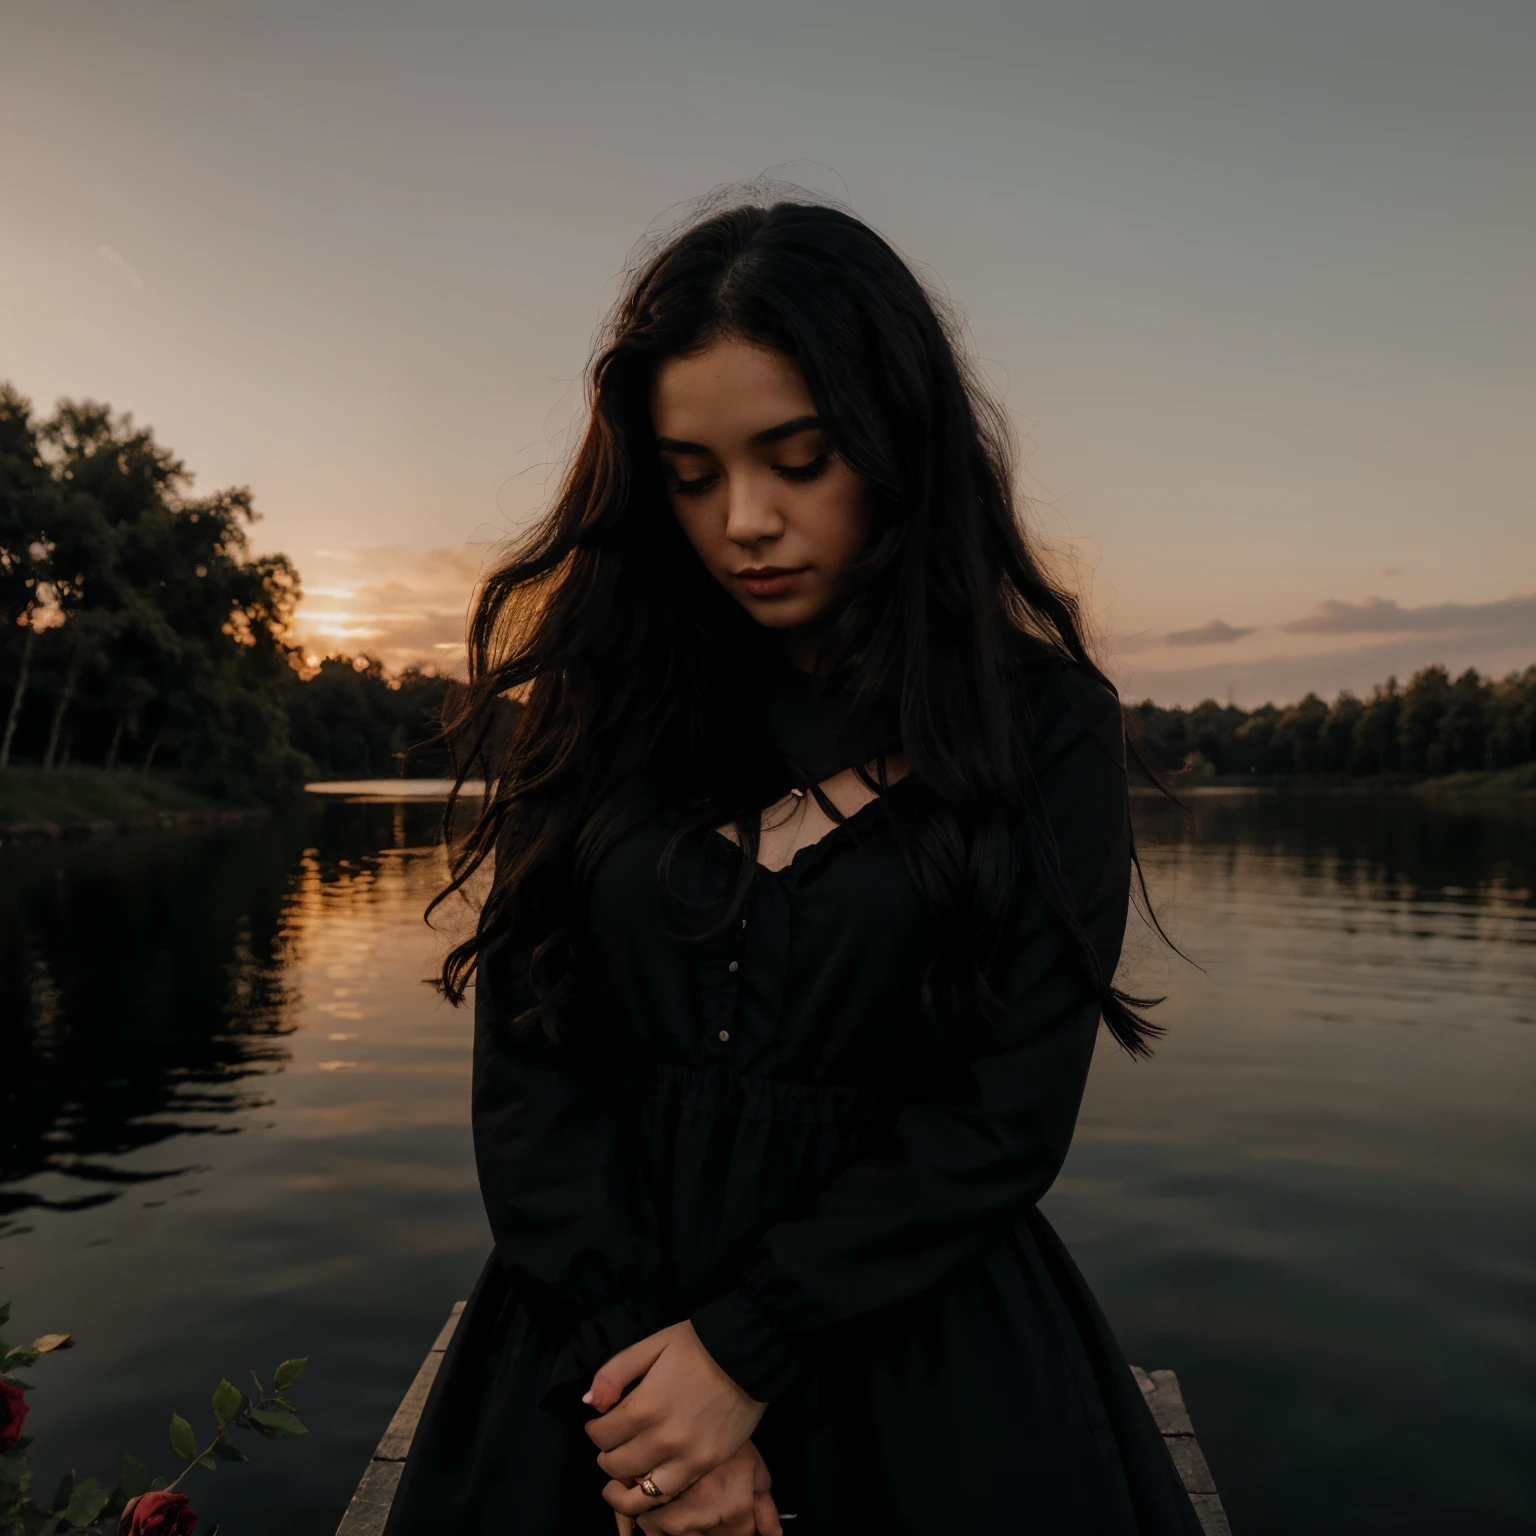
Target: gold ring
point(649, 1489)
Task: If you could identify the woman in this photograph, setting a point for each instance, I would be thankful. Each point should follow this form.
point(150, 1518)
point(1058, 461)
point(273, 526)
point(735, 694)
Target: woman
point(809, 866)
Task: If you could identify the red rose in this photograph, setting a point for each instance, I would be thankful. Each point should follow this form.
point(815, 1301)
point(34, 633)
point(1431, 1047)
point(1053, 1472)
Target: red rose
point(157, 1513)
point(13, 1409)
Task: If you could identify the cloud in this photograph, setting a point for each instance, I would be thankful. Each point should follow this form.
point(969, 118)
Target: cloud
point(1214, 633)
point(121, 262)
point(1281, 679)
point(1383, 616)
point(404, 606)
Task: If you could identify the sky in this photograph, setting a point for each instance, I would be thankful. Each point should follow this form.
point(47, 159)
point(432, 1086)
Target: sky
point(1254, 281)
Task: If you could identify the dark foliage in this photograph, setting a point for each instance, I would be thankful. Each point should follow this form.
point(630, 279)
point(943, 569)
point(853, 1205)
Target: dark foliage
point(138, 631)
point(135, 625)
point(353, 721)
point(1436, 725)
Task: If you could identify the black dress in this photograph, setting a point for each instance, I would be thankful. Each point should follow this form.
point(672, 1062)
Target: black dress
point(770, 1142)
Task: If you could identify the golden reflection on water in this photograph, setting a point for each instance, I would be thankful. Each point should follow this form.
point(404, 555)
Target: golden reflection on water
point(1315, 1202)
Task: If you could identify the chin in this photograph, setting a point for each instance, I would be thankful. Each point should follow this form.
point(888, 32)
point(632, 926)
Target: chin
point(785, 615)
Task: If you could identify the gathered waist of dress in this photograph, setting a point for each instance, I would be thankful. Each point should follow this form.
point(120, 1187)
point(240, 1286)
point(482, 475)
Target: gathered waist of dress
point(717, 1090)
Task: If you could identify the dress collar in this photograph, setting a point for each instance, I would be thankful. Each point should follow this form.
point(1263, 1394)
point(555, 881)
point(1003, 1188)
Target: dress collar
point(809, 726)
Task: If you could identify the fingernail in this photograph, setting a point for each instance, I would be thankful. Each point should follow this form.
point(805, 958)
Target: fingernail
point(586, 1397)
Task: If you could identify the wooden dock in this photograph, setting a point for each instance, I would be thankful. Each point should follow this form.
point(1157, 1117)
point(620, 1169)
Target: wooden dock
point(369, 1508)
point(1161, 1390)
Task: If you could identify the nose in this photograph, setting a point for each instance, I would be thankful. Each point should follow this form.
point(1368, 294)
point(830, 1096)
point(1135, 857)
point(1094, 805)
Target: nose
point(752, 512)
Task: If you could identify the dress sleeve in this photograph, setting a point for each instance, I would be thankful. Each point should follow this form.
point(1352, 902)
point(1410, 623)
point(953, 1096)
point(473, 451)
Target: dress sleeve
point(966, 1161)
point(573, 1229)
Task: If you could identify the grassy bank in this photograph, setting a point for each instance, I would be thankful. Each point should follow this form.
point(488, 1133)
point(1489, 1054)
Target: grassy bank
point(38, 803)
point(1502, 781)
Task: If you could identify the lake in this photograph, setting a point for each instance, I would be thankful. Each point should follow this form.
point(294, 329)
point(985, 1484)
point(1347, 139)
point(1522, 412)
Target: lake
point(235, 1130)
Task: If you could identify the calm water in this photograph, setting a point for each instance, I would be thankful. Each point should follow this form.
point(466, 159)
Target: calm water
point(234, 1121)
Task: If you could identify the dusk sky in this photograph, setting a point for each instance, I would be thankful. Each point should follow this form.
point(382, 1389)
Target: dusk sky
point(1257, 282)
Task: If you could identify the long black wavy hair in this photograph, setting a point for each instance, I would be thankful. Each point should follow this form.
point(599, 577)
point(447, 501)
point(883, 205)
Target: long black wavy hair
point(628, 657)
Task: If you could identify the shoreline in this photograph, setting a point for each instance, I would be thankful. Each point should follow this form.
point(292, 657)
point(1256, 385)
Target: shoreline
point(43, 830)
point(1516, 782)
point(38, 806)
point(43, 807)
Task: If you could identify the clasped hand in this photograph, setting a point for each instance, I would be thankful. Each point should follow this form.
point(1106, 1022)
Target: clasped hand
point(687, 1427)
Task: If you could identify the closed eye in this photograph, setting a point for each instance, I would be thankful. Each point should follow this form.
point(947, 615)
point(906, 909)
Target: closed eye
point(696, 487)
point(800, 474)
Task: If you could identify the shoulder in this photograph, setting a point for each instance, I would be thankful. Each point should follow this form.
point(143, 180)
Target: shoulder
point(1066, 708)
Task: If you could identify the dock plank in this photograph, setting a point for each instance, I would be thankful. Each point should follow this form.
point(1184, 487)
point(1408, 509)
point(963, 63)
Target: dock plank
point(370, 1505)
point(1166, 1400)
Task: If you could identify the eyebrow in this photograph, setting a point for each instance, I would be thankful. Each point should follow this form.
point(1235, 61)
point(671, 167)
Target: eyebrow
point(758, 439)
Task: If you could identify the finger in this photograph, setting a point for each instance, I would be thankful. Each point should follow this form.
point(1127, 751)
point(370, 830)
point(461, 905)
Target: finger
point(618, 1425)
point(626, 1366)
point(645, 1456)
point(766, 1514)
point(623, 1498)
point(625, 1524)
point(686, 1519)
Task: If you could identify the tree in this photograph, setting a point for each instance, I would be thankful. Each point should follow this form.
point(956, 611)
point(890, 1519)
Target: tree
point(1462, 741)
point(1212, 732)
point(27, 498)
point(1338, 737)
point(1512, 720)
point(1297, 742)
point(354, 721)
point(135, 611)
point(1376, 746)
point(1425, 702)
point(1253, 743)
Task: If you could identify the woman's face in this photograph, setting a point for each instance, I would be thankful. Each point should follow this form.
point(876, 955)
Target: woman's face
point(775, 515)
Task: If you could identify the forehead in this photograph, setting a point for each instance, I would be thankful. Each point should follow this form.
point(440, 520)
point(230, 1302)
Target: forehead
point(726, 392)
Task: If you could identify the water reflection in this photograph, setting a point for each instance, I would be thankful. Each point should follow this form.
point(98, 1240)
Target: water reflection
point(1418, 844)
point(146, 990)
point(1316, 1203)
point(1319, 1201)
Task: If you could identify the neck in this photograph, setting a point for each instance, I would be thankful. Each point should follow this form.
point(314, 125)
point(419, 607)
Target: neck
point(807, 648)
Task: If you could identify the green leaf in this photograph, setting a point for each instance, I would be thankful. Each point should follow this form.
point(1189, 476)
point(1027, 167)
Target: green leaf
point(87, 1502)
point(288, 1373)
point(19, 1358)
point(226, 1402)
point(261, 1391)
point(5, 1313)
point(183, 1441)
point(135, 1478)
point(279, 1420)
point(224, 1451)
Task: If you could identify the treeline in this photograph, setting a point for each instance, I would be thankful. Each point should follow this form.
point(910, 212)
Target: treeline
point(1435, 725)
point(352, 720)
point(138, 630)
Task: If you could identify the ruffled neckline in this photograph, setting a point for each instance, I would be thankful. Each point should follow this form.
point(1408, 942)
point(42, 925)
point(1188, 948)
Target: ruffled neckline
point(807, 724)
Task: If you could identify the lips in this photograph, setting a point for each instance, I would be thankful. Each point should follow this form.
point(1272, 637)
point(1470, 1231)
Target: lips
point(770, 580)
